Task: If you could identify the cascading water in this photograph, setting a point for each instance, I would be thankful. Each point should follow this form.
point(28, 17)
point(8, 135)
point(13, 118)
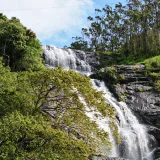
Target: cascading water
point(103, 123)
point(134, 137)
point(66, 58)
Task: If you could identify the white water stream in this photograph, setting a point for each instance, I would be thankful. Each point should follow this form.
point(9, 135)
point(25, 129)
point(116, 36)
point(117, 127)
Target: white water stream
point(135, 140)
point(134, 135)
point(66, 58)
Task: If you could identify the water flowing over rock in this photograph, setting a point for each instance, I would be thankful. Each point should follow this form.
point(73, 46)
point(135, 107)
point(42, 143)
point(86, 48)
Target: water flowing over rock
point(135, 141)
point(70, 59)
point(137, 91)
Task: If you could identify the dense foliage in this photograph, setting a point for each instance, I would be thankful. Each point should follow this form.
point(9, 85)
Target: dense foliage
point(42, 116)
point(131, 30)
point(153, 70)
point(18, 45)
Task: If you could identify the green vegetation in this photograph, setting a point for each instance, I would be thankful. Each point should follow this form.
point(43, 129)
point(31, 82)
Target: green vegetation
point(130, 31)
point(32, 137)
point(152, 63)
point(125, 35)
point(80, 44)
point(18, 46)
point(42, 116)
point(153, 70)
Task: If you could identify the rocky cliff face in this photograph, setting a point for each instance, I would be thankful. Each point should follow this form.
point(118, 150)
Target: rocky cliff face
point(136, 89)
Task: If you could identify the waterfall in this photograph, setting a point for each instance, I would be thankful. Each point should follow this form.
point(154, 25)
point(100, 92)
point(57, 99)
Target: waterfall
point(103, 123)
point(66, 58)
point(134, 136)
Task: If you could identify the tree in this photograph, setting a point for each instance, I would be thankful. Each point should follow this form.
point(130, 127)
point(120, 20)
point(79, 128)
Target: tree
point(42, 115)
point(79, 44)
point(32, 137)
point(131, 30)
point(18, 45)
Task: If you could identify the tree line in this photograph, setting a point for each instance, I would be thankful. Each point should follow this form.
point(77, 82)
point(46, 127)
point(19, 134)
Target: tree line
point(133, 29)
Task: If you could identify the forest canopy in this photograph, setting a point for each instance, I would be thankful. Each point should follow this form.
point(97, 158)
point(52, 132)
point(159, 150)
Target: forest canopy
point(130, 30)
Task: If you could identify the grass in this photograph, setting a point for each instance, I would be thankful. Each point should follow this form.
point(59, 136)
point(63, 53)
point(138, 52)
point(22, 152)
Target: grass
point(153, 69)
point(152, 63)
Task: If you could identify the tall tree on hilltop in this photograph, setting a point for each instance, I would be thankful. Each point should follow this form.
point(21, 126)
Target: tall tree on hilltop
point(132, 30)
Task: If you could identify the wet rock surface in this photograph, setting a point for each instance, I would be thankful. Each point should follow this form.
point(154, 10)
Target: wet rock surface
point(136, 89)
point(99, 157)
point(70, 59)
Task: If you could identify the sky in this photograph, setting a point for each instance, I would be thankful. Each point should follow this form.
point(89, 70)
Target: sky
point(55, 22)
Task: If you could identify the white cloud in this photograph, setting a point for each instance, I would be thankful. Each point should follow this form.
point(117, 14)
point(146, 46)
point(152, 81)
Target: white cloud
point(46, 20)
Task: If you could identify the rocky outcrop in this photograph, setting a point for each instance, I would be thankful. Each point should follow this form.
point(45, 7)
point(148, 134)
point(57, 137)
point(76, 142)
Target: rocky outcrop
point(70, 59)
point(91, 59)
point(136, 89)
